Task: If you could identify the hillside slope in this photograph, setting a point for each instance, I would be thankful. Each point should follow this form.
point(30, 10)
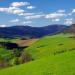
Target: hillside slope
point(62, 64)
point(51, 45)
point(54, 55)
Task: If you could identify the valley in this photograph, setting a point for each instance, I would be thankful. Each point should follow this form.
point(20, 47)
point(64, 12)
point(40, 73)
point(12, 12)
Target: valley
point(51, 55)
point(37, 37)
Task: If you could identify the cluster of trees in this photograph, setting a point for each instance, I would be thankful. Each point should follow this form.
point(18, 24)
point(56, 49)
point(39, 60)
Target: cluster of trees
point(11, 54)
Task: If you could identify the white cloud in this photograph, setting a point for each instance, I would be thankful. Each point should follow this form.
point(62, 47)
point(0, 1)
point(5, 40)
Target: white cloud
point(2, 25)
point(9, 9)
point(58, 14)
point(27, 22)
point(34, 16)
point(68, 21)
point(69, 14)
point(73, 11)
point(30, 7)
point(55, 20)
point(18, 4)
point(3, 9)
point(12, 10)
point(55, 15)
point(15, 20)
point(18, 11)
point(26, 14)
point(61, 11)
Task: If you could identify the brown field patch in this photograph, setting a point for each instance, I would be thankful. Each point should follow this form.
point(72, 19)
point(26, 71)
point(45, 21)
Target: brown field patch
point(26, 42)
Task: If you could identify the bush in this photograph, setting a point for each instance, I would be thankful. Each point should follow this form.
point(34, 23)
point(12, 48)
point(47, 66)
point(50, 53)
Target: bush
point(25, 57)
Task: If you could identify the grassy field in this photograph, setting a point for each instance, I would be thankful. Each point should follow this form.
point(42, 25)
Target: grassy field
point(25, 42)
point(51, 45)
point(54, 55)
point(19, 41)
point(62, 64)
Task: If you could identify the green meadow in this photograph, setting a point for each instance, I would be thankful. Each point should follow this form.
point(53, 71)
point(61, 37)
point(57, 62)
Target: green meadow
point(51, 45)
point(53, 55)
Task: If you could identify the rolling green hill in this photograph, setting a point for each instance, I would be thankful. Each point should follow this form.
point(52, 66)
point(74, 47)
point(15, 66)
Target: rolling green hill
point(51, 45)
point(53, 55)
point(62, 64)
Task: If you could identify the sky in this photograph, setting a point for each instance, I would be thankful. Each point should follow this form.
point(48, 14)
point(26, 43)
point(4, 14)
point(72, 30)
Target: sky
point(36, 13)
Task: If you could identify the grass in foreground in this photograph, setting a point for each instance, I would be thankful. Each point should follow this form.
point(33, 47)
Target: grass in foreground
point(61, 64)
point(51, 45)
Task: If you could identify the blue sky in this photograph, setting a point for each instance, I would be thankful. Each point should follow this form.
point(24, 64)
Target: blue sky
point(36, 12)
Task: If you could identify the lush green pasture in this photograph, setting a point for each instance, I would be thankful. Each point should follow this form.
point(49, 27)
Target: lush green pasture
point(53, 55)
point(61, 64)
point(51, 45)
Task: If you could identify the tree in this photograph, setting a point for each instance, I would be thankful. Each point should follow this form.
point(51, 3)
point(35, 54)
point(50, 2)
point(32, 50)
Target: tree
point(25, 57)
point(16, 62)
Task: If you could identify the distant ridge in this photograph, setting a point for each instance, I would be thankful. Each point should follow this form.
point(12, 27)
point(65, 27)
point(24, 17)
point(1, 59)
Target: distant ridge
point(70, 29)
point(31, 32)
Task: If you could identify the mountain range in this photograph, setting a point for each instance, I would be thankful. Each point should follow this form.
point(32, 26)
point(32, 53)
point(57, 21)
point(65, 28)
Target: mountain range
point(30, 32)
point(70, 29)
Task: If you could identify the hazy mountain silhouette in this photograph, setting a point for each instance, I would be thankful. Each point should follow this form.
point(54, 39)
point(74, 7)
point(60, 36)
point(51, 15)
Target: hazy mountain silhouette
point(28, 31)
